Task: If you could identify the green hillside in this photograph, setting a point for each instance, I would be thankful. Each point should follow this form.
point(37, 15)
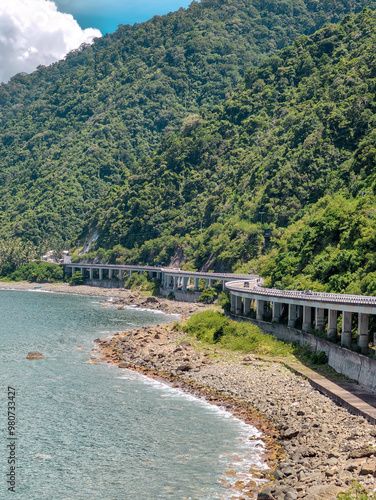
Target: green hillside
point(71, 131)
point(298, 132)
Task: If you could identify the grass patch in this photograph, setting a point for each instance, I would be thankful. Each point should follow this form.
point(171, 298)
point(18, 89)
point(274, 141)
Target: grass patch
point(357, 492)
point(214, 328)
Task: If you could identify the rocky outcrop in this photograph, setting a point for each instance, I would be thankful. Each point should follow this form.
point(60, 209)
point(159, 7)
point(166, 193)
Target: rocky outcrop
point(35, 355)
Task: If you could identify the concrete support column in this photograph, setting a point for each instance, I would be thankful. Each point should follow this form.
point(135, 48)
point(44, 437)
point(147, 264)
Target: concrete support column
point(332, 324)
point(292, 315)
point(73, 270)
point(232, 301)
point(277, 311)
point(299, 312)
point(100, 272)
point(211, 282)
point(246, 306)
point(363, 322)
point(260, 309)
point(175, 282)
point(91, 273)
point(110, 273)
point(120, 274)
point(239, 305)
point(307, 318)
point(196, 284)
point(319, 319)
point(346, 329)
point(223, 285)
point(185, 283)
point(130, 273)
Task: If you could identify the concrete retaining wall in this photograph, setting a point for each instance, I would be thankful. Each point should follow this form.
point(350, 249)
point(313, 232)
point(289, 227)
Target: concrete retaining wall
point(105, 283)
point(355, 366)
point(180, 295)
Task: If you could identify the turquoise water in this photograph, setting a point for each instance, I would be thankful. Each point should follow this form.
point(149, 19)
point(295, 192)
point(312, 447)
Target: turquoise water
point(95, 432)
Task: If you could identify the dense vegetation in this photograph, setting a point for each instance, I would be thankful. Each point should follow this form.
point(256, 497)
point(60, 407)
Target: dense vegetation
point(39, 272)
point(332, 248)
point(70, 131)
point(215, 328)
point(300, 128)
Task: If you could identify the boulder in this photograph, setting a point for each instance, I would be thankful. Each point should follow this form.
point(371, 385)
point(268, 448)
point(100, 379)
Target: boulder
point(124, 364)
point(362, 452)
point(185, 367)
point(35, 355)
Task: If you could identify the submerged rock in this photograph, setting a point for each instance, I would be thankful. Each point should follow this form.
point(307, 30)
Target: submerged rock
point(35, 355)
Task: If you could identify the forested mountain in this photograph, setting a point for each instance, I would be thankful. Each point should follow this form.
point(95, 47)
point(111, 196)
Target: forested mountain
point(71, 131)
point(297, 137)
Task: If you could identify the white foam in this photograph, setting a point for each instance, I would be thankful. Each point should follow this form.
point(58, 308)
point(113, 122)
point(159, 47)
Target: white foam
point(41, 456)
point(249, 455)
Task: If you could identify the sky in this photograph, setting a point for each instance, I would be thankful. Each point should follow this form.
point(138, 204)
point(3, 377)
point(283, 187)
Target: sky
point(106, 15)
point(40, 32)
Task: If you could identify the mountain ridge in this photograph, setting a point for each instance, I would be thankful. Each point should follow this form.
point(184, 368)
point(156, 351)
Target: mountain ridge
point(70, 131)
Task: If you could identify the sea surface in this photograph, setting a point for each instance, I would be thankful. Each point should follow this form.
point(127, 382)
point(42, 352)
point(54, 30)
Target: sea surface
point(95, 432)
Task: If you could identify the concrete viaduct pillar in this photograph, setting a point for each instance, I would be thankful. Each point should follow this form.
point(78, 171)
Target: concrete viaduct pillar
point(110, 273)
point(346, 329)
point(100, 272)
point(196, 284)
point(238, 305)
point(246, 306)
point(292, 315)
point(277, 311)
point(185, 283)
point(232, 302)
point(332, 324)
point(319, 319)
point(363, 322)
point(91, 273)
point(307, 318)
point(260, 309)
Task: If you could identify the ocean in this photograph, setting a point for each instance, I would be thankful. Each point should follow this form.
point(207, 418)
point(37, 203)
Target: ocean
point(73, 430)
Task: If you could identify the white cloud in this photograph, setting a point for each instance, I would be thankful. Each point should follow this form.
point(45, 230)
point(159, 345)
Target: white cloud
point(33, 32)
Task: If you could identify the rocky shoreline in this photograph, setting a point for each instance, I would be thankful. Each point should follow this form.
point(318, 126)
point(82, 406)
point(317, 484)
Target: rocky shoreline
point(121, 296)
point(315, 448)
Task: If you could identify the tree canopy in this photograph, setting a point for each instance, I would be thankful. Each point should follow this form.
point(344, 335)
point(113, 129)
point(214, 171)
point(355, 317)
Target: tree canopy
point(70, 131)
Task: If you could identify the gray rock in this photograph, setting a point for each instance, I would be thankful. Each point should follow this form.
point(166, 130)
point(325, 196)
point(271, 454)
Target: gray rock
point(35, 355)
point(185, 368)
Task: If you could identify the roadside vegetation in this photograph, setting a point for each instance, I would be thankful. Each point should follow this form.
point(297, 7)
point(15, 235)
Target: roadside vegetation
point(143, 283)
point(213, 327)
point(38, 272)
point(357, 492)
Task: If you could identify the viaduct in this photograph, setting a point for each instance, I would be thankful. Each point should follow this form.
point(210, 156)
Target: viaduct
point(313, 309)
point(171, 278)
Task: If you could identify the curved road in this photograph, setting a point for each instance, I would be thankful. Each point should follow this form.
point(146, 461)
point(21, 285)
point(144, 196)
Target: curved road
point(338, 301)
